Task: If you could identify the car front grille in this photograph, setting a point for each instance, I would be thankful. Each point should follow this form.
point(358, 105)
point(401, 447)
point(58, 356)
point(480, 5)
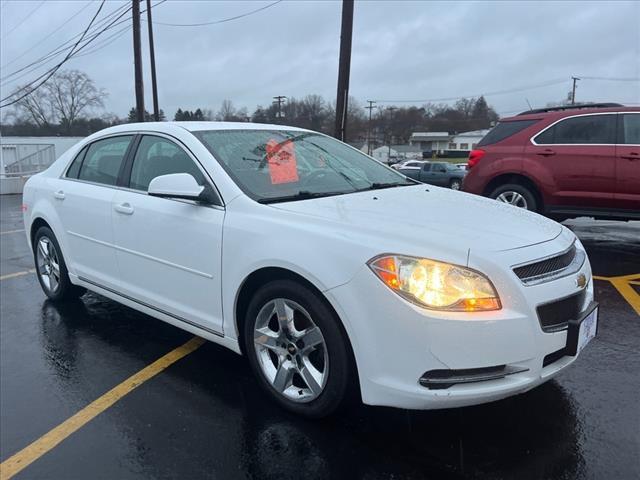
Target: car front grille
point(555, 316)
point(548, 266)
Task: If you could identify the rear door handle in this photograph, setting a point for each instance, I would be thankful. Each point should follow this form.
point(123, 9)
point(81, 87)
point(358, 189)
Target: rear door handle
point(59, 195)
point(546, 153)
point(631, 156)
point(124, 208)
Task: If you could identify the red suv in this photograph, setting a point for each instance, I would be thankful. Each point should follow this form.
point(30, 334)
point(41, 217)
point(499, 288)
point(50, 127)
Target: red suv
point(564, 162)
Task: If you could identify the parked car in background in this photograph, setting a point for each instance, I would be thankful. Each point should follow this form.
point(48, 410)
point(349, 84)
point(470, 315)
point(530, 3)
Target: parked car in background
point(442, 174)
point(408, 164)
point(462, 166)
point(563, 162)
point(296, 250)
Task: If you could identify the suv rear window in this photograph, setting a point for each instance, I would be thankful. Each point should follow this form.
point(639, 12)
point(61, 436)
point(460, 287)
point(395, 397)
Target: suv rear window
point(505, 130)
point(582, 130)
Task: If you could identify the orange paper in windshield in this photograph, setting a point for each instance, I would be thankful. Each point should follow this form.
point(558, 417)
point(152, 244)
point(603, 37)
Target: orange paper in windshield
point(281, 157)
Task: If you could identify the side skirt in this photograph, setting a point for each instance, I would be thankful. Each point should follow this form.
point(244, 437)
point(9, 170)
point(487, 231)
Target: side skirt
point(176, 321)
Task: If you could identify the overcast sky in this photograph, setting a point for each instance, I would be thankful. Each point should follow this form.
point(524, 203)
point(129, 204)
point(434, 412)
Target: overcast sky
point(401, 50)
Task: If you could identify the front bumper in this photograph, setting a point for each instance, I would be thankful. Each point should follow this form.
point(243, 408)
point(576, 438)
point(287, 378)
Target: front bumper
point(396, 342)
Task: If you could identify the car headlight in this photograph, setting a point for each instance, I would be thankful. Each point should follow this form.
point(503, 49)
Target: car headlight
point(436, 285)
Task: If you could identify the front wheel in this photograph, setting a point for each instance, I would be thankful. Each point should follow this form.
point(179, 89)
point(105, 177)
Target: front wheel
point(51, 267)
point(516, 195)
point(297, 349)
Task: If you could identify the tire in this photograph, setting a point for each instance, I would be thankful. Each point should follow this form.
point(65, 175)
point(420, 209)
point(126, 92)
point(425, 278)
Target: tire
point(516, 195)
point(281, 360)
point(48, 259)
point(455, 184)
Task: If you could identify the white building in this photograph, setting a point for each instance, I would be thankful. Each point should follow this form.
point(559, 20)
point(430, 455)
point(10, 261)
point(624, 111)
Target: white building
point(443, 143)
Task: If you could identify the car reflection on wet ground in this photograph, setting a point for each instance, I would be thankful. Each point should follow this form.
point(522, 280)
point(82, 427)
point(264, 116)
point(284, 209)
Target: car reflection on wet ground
point(204, 416)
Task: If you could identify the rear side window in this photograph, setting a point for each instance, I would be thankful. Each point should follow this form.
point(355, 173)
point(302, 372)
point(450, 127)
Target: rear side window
point(504, 130)
point(103, 160)
point(74, 169)
point(158, 156)
point(583, 130)
point(630, 129)
point(426, 167)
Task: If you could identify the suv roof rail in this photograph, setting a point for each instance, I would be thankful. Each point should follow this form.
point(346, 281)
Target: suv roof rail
point(572, 107)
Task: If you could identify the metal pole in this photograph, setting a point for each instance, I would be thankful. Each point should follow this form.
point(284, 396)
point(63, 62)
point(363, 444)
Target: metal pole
point(370, 108)
point(137, 60)
point(152, 55)
point(344, 68)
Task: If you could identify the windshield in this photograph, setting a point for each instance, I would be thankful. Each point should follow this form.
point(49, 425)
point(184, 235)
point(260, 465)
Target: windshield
point(280, 165)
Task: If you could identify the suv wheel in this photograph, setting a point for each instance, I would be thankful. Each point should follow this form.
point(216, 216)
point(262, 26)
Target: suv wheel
point(455, 184)
point(297, 350)
point(516, 195)
point(51, 267)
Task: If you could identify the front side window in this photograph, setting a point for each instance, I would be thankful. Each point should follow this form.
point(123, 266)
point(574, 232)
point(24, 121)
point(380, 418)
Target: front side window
point(158, 156)
point(630, 134)
point(103, 159)
point(280, 165)
point(583, 130)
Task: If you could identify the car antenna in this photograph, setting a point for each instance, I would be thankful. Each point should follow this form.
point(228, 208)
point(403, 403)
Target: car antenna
point(530, 107)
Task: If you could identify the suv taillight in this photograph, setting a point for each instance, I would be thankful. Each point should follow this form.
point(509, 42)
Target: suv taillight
point(474, 158)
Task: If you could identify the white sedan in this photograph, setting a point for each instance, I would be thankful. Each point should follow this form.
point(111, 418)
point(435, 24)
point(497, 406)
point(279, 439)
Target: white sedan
point(298, 251)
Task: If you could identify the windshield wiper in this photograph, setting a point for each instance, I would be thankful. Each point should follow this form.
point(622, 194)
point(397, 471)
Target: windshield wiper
point(301, 195)
point(380, 186)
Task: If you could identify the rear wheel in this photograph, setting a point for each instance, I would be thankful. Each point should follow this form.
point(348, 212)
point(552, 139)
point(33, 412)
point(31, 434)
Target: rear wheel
point(297, 349)
point(516, 195)
point(51, 267)
point(455, 184)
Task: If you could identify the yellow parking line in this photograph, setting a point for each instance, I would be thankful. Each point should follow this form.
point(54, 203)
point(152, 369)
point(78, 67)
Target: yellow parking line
point(51, 439)
point(7, 232)
point(623, 284)
point(16, 274)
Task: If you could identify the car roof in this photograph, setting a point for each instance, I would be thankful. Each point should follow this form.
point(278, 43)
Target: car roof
point(169, 127)
point(568, 112)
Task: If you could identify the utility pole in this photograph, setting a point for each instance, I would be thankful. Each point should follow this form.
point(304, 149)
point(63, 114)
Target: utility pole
point(279, 100)
point(390, 109)
point(370, 108)
point(137, 60)
point(154, 85)
point(344, 69)
point(573, 90)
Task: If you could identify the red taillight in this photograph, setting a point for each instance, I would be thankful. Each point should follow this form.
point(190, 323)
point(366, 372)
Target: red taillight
point(474, 158)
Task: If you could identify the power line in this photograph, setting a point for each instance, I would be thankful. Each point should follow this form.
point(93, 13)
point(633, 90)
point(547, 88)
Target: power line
point(214, 22)
point(63, 47)
point(485, 94)
point(48, 36)
point(23, 20)
point(613, 79)
point(56, 68)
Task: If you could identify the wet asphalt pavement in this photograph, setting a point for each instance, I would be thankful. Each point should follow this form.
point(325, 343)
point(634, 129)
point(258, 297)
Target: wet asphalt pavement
point(205, 417)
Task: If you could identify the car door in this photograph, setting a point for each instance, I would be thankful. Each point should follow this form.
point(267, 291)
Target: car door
point(169, 250)
point(578, 154)
point(627, 194)
point(436, 175)
point(82, 199)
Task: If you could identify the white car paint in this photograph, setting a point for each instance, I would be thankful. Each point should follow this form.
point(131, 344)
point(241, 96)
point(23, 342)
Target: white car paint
point(185, 264)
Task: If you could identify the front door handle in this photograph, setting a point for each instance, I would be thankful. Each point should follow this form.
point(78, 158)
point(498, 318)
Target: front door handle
point(58, 195)
point(632, 156)
point(547, 152)
point(124, 208)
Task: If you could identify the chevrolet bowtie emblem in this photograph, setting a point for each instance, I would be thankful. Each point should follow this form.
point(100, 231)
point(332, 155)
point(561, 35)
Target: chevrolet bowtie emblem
point(581, 280)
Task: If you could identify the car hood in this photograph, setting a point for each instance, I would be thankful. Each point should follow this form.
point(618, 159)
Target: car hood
point(427, 215)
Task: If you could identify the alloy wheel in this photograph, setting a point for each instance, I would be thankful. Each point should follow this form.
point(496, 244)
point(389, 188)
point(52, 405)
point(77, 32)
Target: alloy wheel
point(48, 264)
point(291, 350)
point(455, 185)
point(513, 198)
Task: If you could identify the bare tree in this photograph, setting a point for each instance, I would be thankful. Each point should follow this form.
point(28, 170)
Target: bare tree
point(36, 107)
point(71, 94)
point(227, 111)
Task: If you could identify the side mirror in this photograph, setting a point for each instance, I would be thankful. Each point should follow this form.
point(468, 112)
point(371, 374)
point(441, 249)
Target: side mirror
point(176, 185)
